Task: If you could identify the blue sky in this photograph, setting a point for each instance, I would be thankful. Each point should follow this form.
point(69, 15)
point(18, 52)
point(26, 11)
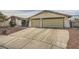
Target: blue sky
point(25, 12)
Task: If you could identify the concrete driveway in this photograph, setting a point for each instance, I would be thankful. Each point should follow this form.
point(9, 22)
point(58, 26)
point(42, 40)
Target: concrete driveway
point(36, 38)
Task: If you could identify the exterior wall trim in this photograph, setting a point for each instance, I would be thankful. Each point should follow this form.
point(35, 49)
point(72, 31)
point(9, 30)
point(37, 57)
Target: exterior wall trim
point(51, 12)
point(30, 23)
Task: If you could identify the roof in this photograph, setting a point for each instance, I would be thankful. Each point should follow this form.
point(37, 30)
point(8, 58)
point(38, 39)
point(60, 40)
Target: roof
point(29, 14)
point(24, 14)
point(32, 13)
point(52, 12)
point(16, 17)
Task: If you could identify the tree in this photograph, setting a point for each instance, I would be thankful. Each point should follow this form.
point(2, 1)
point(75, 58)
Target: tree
point(2, 17)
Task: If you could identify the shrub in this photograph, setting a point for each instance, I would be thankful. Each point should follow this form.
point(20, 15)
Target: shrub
point(12, 24)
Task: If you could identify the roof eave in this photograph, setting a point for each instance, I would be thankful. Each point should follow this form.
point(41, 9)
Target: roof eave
point(52, 12)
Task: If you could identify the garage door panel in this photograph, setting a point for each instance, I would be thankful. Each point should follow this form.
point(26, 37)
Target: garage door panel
point(53, 23)
point(35, 23)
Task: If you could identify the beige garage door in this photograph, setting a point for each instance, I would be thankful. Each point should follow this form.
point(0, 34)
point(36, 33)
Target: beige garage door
point(35, 22)
point(53, 23)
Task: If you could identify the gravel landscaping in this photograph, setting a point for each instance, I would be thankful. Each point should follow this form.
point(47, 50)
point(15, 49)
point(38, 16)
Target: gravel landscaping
point(73, 42)
point(10, 30)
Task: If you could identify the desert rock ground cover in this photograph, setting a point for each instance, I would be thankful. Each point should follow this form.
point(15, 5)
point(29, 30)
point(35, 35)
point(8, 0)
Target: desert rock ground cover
point(10, 30)
point(73, 42)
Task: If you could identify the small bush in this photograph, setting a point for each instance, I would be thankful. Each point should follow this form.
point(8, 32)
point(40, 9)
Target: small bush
point(12, 24)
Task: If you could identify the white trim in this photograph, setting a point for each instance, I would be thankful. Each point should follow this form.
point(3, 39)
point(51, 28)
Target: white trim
point(30, 23)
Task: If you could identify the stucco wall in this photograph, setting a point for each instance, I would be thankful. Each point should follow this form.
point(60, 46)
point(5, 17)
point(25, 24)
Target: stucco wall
point(66, 22)
point(6, 23)
point(18, 22)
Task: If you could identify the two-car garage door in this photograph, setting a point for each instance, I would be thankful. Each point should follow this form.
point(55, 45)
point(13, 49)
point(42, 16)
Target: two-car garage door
point(53, 23)
point(48, 23)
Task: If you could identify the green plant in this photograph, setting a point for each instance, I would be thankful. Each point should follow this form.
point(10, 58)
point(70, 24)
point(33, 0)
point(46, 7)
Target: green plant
point(2, 17)
point(12, 24)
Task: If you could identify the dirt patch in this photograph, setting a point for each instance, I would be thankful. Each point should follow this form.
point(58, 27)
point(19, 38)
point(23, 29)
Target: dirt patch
point(73, 42)
point(10, 30)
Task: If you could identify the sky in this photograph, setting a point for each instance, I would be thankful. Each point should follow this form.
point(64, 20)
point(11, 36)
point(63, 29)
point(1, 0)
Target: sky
point(24, 13)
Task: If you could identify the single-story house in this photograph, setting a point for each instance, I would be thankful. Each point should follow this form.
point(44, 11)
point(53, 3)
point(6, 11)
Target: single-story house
point(41, 19)
point(49, 19)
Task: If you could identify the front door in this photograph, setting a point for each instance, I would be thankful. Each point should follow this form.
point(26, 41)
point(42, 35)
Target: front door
point(23, 23)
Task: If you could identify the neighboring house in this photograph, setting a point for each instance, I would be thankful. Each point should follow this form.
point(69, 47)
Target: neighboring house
point(74, 21)
point(49, 19)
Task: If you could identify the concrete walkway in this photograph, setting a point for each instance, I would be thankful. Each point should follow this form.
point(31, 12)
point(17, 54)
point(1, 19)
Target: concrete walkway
point(36, 38)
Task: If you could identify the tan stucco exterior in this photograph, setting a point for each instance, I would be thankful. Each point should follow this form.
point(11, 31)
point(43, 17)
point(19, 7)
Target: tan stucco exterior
point(18, 22)
point(48, 19)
